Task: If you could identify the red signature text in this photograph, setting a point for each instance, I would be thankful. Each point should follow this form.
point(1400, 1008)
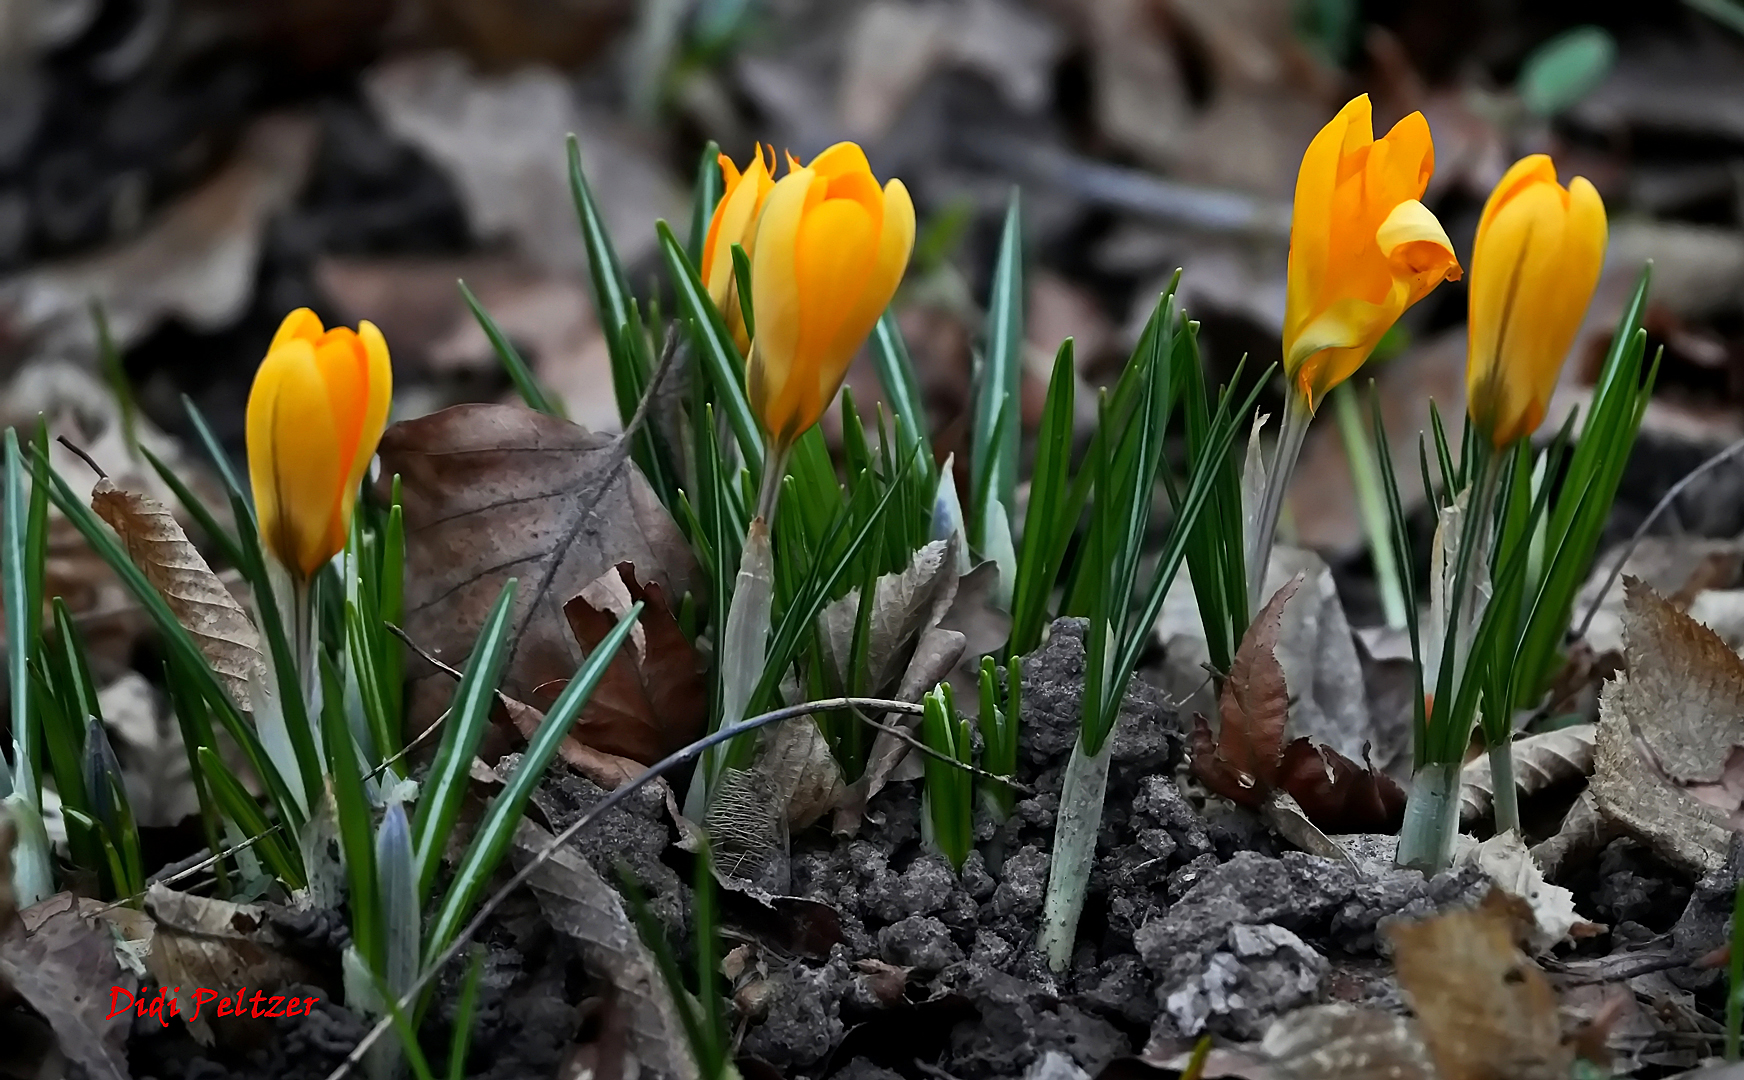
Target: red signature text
point(166, 1002)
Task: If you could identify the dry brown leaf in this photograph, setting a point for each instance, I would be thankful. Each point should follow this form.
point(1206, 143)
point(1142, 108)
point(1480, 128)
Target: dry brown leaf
point(904, 604)
point(1541, 762)
point(1339, 795)
point(580, 905)
point(1319, 1042)
point(1243, 761)
point(1484, 1008)
point(497, 491)
point(1683, 702)
point(652, 699)
point(157, 545)
point(200, 942)
point(605, 770)
point(63, 964)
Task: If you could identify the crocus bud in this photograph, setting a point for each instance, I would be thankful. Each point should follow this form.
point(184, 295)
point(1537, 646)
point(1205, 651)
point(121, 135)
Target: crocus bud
point(315, 414)
point(1362, 247)
point(1534, 266)
point(735, 222)
point(831, 247)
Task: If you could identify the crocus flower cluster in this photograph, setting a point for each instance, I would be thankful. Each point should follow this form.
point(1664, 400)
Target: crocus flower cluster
point(827, 247)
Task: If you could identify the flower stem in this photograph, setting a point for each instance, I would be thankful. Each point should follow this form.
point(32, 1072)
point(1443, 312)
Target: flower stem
point(1371, 505)
point(1426, 842)
point(1080, 819)
point(1507, 798)
point(1297, 415)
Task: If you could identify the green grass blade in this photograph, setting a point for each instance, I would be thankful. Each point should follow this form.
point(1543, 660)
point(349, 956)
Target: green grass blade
point(902, 387)
point(611, 291)
point(468, 716)
point(465, 1012)
point(704, 196)
point(351, 808)
point(21, 627)
point(497, 831)
point(994, 439)
point(241, 808)
point(717, 354)
point(518, 371)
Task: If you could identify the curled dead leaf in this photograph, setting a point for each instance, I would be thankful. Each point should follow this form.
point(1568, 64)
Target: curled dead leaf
point(202, 604)
point(1541, 762)
point(1247, 760)
point(652, 699)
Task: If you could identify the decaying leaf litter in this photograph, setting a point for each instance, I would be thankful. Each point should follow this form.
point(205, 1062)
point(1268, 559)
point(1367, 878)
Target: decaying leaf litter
point(958, 939)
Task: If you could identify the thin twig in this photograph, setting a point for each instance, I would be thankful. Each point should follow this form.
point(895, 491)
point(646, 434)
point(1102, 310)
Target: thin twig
point(612, 799)
point(1647, 522)
point(86, 458)
point(909, 708)
point(668, 353)
point(189, 871)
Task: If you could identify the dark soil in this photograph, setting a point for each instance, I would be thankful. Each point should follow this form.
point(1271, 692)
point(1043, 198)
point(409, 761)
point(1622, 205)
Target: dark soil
point(1197, 922)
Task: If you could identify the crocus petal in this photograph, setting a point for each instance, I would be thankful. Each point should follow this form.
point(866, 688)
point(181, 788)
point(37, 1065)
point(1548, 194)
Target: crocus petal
point(1362, 247)
point(831, 248)
point(301, 323)
point(1417, 250)
point(775, 290)
point(1535, 264)
point(380, 381)
point(293, 459)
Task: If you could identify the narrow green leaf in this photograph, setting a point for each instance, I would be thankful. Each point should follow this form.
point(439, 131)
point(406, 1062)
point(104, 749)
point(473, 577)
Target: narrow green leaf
point(704, 196)
point(902, 389)
point(497, 830)
point(468, 716)
point(351, 808)
point(742, 286)
point(516, 368)
point(465, 1013)
point(242, 809)
point(994, 445)
point(21, 628)
point(714, 344)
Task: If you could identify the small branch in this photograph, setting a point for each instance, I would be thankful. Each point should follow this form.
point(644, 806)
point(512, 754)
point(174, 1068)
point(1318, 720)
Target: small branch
point(668, 353)
point(189, 871)
point(86, 458)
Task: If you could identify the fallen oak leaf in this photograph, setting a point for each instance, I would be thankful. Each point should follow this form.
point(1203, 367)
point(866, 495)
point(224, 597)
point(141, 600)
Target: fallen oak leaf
point(64, 965)
point(154, 540)
point(1663, 725)
point(497, 491)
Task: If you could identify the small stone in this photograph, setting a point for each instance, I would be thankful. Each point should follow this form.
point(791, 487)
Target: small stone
point(1054, 1065)
point(1261, 972)
point(920, 942)
point(1026, 880)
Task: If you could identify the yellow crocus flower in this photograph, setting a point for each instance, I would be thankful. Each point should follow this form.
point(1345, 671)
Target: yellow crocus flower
point(831, 246)
point(1362, 247)
point(735, 222)
point(315, 415)
point(1534, 266)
